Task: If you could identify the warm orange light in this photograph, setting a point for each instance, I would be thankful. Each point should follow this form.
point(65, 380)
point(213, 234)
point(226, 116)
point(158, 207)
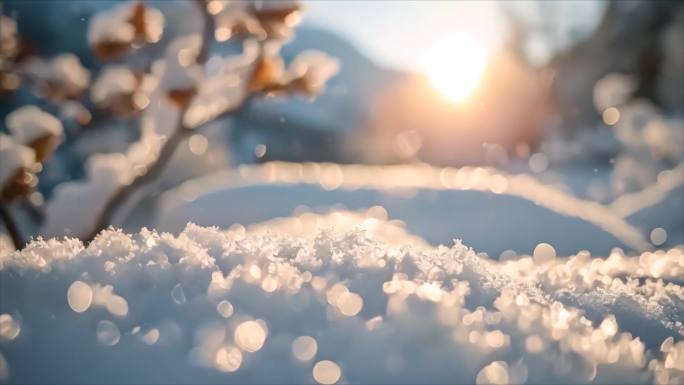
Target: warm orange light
point(454, 66)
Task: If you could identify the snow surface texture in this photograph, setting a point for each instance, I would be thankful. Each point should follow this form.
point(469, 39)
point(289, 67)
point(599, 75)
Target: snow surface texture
point(346, 297)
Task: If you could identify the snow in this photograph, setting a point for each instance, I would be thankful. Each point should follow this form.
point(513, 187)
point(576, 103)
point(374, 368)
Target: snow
point(323, 272)
point(30, 123)
point(436, 203)
point(8, 39)
point(111, 26)
point(224, 85)
point(669, 180)
point(62, 77)
point(74, 205)
point(265, 20)
point(180, 70)
point(613, 90)
point(115, 81)
point(315, 68)
point(116, 25)
point(13, 157)
point(355, 303)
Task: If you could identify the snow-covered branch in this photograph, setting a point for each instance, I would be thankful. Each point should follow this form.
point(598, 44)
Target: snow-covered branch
point(170, 98)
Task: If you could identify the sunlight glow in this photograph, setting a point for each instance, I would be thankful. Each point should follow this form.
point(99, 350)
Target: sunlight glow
point(454, 66)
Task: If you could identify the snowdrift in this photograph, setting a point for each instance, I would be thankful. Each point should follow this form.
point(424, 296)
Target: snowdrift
point(346, 297)
point(489, 209)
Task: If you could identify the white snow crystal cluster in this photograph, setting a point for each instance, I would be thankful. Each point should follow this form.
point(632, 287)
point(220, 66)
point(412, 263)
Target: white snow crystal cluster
point(355, 300)
point(29, 123)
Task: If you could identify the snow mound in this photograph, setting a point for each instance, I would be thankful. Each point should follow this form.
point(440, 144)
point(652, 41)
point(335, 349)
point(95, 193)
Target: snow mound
point(492, 199)
point(336, 304)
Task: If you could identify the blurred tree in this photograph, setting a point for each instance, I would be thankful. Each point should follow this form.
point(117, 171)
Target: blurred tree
point(628, 40)
point(168, 93)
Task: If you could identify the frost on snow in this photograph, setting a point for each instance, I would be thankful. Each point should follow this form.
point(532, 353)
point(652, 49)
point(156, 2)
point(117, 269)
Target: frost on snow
point(351, 299)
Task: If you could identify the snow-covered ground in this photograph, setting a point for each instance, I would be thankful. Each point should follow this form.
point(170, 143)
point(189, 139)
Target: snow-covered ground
point(491, 210)
point(346, 297)
point(564, 266)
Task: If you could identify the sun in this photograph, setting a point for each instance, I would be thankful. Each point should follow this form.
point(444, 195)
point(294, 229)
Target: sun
point(454, 66)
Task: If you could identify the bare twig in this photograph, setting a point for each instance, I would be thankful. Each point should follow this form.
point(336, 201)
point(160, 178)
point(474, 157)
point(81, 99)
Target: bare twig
point(12, 227)
point(207, 31)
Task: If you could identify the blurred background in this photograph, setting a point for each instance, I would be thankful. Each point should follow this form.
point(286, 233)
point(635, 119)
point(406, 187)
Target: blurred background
point(585, 96)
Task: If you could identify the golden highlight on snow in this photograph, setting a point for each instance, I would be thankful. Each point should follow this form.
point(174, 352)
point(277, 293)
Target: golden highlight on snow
point(543, 253)
point(228, 359)
point(250, 336)
point(349, 304)
point(326, 372)
point(79, 296)
point(304, 348)
point(224, 308)
point(9, 327)
point(151, 337)
point(117, 306)
point(495, 373)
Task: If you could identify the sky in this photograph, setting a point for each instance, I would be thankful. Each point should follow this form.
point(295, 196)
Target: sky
point(398, 33)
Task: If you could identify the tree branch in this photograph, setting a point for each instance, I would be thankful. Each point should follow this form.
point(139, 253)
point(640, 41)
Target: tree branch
point(123, 194)
point(168, 148)
point(12, 227)
point(35, 212)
